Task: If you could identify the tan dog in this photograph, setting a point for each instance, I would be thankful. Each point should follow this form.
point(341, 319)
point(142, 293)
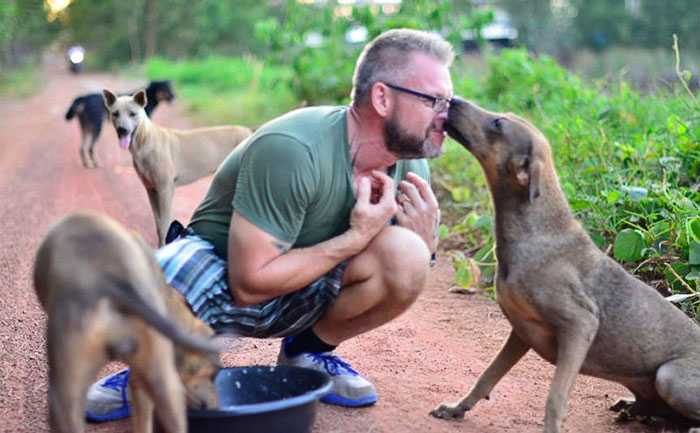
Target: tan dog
point(167, 158)
point(106, 299)
point(564, 298)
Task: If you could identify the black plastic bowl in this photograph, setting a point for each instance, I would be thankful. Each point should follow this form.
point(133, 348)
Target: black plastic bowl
point(262, 399)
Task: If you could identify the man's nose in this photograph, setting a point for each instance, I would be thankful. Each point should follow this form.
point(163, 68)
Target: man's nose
point(443, 114)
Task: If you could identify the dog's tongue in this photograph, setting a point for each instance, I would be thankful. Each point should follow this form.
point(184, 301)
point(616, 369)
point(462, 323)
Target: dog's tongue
point(124, 141)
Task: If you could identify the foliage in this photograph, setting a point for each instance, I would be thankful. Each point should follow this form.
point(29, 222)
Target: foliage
point(221, 90)
point(629, 165)
point(116, 32)
point(312, 40)
point(565, 28)
point(23, 31)
point(19, 82)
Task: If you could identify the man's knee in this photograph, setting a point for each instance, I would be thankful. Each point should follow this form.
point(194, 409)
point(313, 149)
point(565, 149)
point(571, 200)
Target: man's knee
point(404, 260)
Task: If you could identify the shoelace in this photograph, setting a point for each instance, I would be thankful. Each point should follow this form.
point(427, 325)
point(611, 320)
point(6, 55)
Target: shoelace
point(333, 364)
point(118, 381)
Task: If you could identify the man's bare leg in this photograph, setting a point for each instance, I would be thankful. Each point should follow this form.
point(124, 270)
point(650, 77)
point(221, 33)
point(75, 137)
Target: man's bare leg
point(378, 285)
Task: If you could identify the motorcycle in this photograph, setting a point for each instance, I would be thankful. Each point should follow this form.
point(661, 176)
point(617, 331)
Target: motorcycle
point(75, 56)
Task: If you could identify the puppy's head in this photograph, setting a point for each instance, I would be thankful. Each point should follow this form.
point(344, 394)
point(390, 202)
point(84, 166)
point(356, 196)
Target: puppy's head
point(197, 371)
point(511, 151)
point(126, 114)
point(161, 90)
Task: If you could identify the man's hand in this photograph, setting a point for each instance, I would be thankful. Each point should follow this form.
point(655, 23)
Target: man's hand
point(374, 208)
point(418, 209)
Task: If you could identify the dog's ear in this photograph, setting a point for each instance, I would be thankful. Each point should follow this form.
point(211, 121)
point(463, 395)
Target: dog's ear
point(109, 98)
point(533, 188)
point(140, 98)
point(527, 174)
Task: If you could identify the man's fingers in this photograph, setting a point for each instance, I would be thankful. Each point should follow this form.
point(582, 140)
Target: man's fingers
point(423, 188)
point(401, 218)
point(388, 190)
point(410, 191)
point(408, 209)
point(364, 190)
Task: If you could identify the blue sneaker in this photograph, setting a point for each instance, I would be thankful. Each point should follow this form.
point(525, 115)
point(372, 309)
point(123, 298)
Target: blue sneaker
point(349, 388)
point(108, 398)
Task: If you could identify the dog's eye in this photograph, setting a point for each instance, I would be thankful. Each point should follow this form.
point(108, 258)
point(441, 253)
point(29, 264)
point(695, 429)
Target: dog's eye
point(497, 124)
point(132, 114)
point(115, 114)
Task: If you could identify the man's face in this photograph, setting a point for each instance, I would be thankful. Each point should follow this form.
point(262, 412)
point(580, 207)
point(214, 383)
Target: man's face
point(414, 129)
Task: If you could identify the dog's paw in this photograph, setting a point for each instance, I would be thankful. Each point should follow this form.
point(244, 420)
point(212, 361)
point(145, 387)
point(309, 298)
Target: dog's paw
point(624, 416)
point(622, 404)
point(448, 411)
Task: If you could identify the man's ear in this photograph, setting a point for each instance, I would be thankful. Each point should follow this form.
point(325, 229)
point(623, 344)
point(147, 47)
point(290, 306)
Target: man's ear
point(140, 97)
point(379, 98)
point(108, 98)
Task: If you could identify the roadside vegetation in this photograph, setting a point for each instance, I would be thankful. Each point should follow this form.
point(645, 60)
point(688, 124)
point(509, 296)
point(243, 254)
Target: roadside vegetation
point(17, 83)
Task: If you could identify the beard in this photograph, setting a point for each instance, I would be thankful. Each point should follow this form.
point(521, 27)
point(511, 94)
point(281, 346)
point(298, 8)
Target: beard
point(406, 145)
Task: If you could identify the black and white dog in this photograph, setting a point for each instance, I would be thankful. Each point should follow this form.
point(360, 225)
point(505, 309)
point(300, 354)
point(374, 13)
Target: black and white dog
point(91, 112)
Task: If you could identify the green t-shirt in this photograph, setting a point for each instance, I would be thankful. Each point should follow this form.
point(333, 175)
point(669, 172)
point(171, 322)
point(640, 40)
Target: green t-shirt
point(292, 179)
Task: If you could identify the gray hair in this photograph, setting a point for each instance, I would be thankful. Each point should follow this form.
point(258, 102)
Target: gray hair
point(387, 57)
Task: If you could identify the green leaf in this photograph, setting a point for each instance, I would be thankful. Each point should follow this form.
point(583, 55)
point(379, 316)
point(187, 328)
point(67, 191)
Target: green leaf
point(680, 297)
point(598, 239)
point(613, 196)
point(694, 253)
point(693, 227)
point(461, 194)
point(463, 276)
point(629, 244)
point(579, 204)
point(484, 222)
point(471, 218)
point(693, 275)
point(443, 231)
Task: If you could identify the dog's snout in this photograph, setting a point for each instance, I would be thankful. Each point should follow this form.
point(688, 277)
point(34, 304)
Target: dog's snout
point(457, 101)
point(121, 131)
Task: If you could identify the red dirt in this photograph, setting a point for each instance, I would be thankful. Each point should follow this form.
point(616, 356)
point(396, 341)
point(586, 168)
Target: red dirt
point(432, 353)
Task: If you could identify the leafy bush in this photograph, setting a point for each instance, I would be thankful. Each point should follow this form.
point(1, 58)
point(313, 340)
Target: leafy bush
point(312, 40)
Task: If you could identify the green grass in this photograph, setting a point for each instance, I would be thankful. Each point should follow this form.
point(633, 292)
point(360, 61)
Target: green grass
point(19, 83)
point(221, 90)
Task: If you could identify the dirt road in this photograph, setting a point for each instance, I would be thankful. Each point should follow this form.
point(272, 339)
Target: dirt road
point(432, 353)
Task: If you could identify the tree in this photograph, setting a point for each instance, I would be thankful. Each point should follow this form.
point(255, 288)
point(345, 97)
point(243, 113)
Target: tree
point(24, 30)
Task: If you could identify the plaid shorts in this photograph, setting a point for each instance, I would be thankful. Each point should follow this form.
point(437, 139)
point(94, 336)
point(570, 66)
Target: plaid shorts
point(192, 267)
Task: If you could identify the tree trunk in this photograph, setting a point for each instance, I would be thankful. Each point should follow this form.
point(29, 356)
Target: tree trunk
point(151, 27)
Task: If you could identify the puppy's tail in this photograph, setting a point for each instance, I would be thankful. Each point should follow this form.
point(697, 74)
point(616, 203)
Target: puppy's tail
point(128, 300)
point(73, 108)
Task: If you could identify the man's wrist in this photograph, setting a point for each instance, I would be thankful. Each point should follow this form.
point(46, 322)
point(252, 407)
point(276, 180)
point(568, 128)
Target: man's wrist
point(356, 242)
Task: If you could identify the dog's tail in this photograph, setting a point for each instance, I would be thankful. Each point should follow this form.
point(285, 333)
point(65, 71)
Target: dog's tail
point(73, 108)
point(129, 300)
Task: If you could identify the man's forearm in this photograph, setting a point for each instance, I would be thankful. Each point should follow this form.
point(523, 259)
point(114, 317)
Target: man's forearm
point(296, 268)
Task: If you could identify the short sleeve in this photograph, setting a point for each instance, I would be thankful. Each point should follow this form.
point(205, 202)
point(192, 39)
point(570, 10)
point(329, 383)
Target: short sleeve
point(275, 185)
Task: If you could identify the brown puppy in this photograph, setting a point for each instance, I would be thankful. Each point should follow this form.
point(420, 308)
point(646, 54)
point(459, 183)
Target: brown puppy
point(167, 158)
point(564, 298)
point(106, 299)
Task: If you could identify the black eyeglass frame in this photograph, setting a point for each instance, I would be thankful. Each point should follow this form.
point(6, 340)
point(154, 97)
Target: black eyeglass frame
point(439, 104)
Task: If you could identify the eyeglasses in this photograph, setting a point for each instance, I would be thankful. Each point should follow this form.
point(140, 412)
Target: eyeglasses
point(439, 104)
